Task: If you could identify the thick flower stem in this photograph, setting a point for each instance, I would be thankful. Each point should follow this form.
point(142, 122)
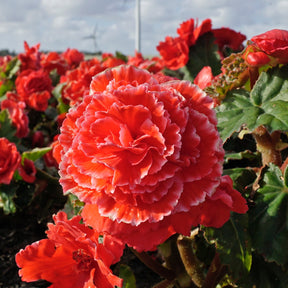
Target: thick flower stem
point(154, 265)
point(215, 273)
point(189, 259)
point(267, 145)
point(164, 284)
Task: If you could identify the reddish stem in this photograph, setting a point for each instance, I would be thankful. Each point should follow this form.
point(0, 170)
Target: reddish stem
point(266, 145)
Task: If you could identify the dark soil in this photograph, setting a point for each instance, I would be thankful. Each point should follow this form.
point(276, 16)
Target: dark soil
point(15, 233)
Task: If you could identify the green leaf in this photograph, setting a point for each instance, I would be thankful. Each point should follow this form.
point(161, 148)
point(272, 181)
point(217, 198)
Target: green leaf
point(235, 111)
point(274, 116)
point(57, 93)
point(286, 177)
point(243, 155)
point(233, 244)
point(203, 53)
point(35, 154)
point(265, 275)
point(7, 130)
point(12, 67)
point(243, 178)
point(121, 56)
point(127, 275)
point(271, 85)
point(6, 86)
point(7, 195)
point(269, 217)
point(73, 205)
point(266, 105)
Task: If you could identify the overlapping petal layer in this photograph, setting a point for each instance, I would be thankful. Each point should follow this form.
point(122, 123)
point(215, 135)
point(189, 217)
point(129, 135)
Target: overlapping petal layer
point(141, 152)
point(70, 257)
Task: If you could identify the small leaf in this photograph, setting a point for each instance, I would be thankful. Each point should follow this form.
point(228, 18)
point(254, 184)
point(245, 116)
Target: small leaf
point(12, 67)
point(127, 275)
point(7, 129)
point(243, 155)
point(265, 275)
point(266, 105)
point(121, 56)
point(235, 111)
point(203, 53)
point(271, 85)
point(269, 217)
point(35, 154)
point(7, 195)
point(6, 85)
point(57, 93)
point(233, 244)
point(286, 176)
point(274, 116)
point(243, 178)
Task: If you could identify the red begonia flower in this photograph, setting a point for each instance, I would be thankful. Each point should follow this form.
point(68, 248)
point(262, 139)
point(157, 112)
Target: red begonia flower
point(34, 88)
point(144, 237)
point(221, 203)
point(71, 257)
point(174, 51)
point(73, 57)
point(190, 31)
point(49, 157)
point(4, 60)
point(230, 38)
point(52, 61)
point(78, 80)
point(110, 61)
point(142, 151)
point(257, 59)
point(153, 65)
point(27, 171)
point(38, 139)
point(30, 60)
point(274, 43)
point(9, 160)
point(204, 77)
point(18, 116)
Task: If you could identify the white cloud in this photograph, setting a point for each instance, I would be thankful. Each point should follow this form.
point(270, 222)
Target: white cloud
point(59, 24)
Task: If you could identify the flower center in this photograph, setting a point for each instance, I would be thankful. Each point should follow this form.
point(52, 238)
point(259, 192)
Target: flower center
point(83, 260)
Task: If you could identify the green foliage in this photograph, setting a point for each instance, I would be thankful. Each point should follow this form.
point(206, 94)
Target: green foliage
point(12, 68)
point(121, 56)
point(269, 217)
point(235, 112)
point(265, 275)
point(233, 244)
point(243, 178)
point(8, 76)
point(15, 196)
point(126, 273)
point(73, 205)
point(7, 130)
point(35, 153)
point(57, 93)
point(266, 104)
point(203, 53)
point(7, 195)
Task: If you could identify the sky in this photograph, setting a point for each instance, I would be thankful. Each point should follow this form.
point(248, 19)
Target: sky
point(61, 24)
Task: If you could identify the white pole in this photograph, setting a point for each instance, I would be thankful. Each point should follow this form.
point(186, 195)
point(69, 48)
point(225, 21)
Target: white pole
point(138, 27)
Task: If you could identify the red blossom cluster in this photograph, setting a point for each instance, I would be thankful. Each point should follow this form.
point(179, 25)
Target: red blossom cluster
point(145, 157)
point(139, 149)
point(74, 252)
point(270, 48)
point(175, 50)
point(10, 161)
